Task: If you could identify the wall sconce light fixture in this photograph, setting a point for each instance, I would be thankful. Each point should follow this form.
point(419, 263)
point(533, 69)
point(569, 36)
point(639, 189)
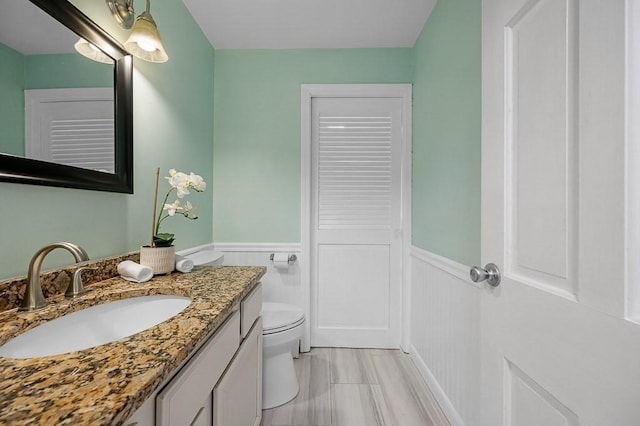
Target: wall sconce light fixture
point(88, 50)
point(144, 41)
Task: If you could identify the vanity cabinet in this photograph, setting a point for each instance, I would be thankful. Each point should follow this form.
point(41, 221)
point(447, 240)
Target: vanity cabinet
point(237, 398)
point(184, 398)
point(221, 384)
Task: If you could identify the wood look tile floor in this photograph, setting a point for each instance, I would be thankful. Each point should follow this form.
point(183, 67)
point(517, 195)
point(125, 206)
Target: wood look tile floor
point(357, 387)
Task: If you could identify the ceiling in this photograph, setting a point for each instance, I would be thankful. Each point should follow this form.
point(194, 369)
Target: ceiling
point(257, 24)
point(288, 24)
point(30, 31)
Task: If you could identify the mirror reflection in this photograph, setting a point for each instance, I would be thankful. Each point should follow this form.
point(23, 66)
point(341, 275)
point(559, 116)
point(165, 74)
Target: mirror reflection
point(55, 104)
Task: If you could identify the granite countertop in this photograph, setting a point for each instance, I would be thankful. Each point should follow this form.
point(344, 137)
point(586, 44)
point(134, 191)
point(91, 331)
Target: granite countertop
point(106, 384)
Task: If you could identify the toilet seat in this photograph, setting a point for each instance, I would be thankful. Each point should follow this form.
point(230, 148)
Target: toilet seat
point(278, 317)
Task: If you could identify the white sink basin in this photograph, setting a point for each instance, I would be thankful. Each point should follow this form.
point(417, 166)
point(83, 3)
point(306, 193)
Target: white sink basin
point(94, 326)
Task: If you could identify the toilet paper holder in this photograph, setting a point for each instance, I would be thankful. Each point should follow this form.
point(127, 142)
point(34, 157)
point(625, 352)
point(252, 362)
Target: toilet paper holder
point(292, 258)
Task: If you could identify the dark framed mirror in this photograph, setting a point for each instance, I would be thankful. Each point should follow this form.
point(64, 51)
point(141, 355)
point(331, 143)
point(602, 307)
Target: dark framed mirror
point(17, 164)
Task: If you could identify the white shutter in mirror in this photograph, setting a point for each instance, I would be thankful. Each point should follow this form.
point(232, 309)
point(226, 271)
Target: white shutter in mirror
point(355, 176)
point(74, 127)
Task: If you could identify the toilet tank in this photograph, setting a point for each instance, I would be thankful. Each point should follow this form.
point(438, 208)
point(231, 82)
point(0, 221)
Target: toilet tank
point(207, 257)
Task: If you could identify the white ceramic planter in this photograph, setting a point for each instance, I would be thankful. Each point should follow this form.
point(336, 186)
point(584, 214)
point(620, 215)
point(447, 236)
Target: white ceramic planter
point(161, 259)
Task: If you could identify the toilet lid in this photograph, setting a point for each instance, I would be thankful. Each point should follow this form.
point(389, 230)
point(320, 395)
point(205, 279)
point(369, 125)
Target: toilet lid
point(280, 316)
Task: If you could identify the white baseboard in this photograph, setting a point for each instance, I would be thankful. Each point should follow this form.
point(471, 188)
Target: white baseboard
point(439, 394)
point(258, 247)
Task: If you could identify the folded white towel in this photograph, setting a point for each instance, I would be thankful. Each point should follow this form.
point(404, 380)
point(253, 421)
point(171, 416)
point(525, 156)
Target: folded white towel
point(132, 271)
point(183, 264)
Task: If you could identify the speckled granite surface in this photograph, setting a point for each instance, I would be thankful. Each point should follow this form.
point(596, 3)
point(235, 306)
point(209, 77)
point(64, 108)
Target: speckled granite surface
point(106, 384)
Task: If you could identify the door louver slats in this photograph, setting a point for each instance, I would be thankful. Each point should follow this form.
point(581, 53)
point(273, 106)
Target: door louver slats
point(86, 143)
point(354, 173)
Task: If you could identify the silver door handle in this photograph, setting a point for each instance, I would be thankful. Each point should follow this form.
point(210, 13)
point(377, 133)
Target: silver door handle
point(491, 273)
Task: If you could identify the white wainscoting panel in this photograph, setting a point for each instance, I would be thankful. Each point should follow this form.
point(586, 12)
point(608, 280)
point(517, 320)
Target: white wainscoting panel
point(278, 285)
point(445, 336)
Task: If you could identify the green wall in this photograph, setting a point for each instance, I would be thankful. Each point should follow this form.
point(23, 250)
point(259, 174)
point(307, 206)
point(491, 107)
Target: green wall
point(12, 101)
point(65, 70)
point(446, 132)
point(257, 131)
point(173, 128)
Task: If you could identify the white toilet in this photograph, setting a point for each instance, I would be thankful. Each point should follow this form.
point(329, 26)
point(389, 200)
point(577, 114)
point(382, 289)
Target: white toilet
point(282, 329)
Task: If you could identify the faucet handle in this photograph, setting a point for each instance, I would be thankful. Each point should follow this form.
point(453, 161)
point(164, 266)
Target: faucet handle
point(76, 286)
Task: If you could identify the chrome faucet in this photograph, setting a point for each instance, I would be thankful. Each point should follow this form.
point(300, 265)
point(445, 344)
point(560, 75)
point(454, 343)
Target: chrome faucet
point(33, 298)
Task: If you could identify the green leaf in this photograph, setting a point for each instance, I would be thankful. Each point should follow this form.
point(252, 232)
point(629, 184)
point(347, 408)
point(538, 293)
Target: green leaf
point(163, 239)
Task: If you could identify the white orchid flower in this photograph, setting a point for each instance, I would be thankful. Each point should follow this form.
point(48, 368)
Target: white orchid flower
point(176, 178)
point(172, 208)
point(181, 183)
point(190, 210)
point(197, 182)
point(182, 190)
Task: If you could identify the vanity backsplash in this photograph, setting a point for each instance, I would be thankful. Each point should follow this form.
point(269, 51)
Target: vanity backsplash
point(56, 281)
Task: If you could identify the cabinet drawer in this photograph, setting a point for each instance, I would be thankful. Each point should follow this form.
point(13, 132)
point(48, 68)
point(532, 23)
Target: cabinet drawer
point(180, 401)
point(250, 309)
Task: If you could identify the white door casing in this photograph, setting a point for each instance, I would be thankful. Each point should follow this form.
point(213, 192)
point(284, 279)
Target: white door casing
point(556, 347)
point(354, 176)
point(632, 160)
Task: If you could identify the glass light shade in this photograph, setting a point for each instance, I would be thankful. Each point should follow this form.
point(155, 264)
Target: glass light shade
point(144, 41)
point(88, 50)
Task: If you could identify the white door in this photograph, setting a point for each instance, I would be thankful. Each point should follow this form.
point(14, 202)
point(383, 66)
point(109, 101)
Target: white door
point(356, 237)
point(71, 126)
point(557, 347)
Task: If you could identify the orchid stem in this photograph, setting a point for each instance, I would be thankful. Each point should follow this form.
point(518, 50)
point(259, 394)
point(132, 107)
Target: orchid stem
point(160, 218)
point(155, 204)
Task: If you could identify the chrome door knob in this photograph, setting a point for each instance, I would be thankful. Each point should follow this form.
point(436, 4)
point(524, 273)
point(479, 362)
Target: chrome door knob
point(491, 273)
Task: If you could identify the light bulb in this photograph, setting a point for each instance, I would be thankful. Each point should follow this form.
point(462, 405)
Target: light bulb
point(147, 46)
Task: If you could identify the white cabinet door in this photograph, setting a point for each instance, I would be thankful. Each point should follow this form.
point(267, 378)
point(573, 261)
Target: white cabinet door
point(180, 402)
point(203, 416)
point(557, 348)
point(145, 415)
point(237, 398)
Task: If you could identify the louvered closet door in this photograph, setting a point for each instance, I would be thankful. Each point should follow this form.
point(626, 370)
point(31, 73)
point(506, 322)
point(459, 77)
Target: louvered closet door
point(356, 238)
point(74, 127)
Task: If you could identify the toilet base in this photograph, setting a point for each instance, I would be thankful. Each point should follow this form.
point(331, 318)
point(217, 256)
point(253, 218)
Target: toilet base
point(279, 381)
